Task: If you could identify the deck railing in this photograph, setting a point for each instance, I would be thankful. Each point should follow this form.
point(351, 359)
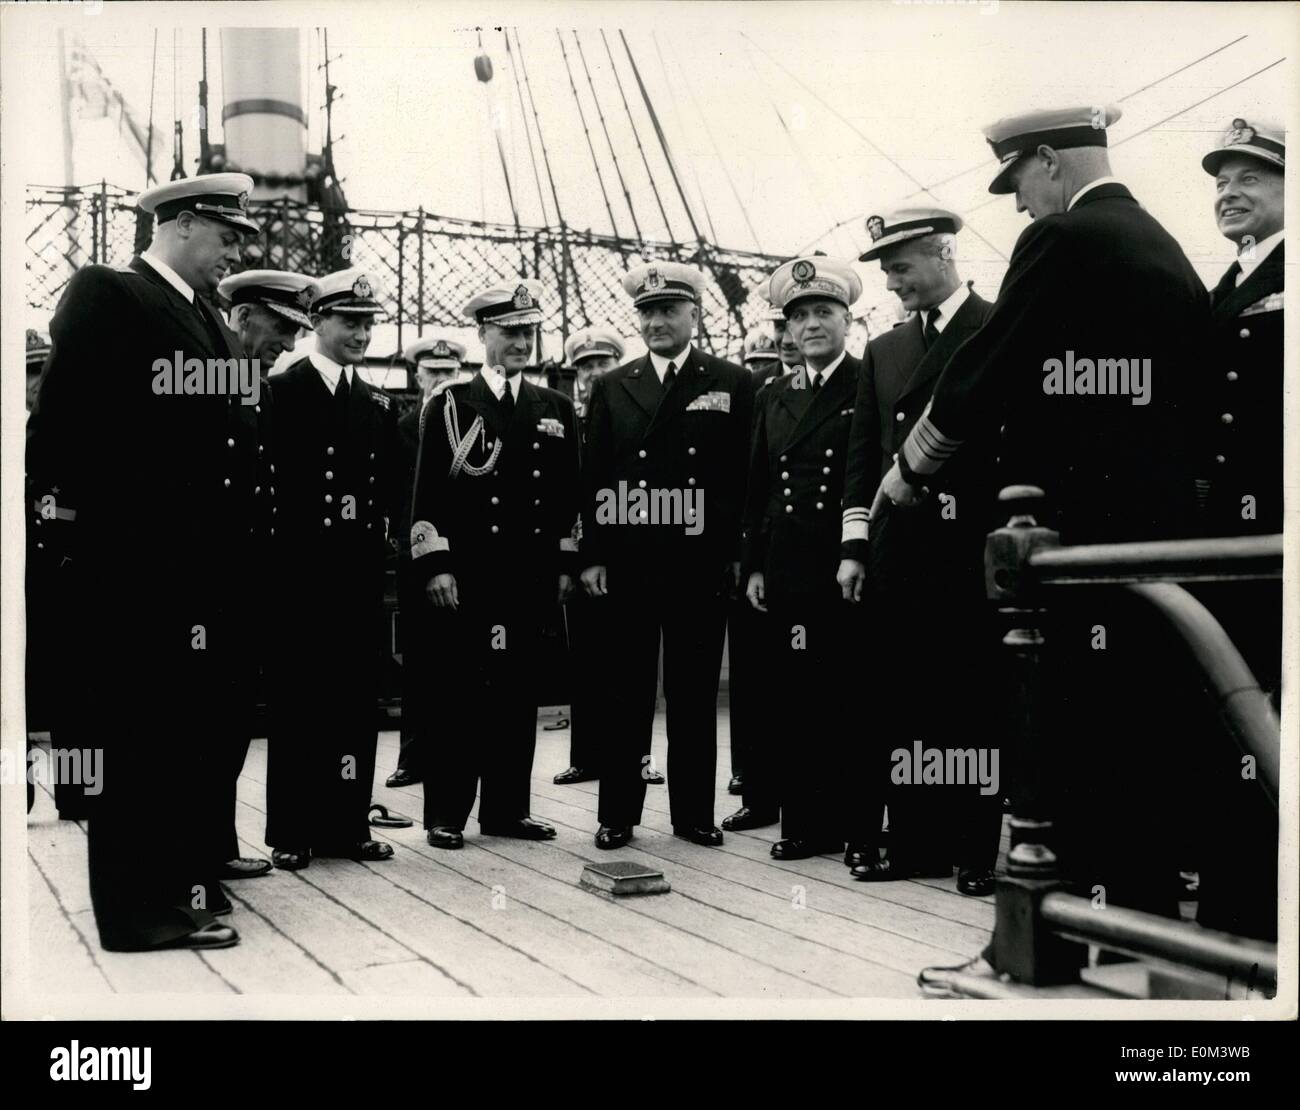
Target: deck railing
point(1041, 933)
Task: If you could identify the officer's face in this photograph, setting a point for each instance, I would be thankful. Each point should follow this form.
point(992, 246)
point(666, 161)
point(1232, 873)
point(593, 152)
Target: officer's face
point(918, 277)
point(507, 347)
point(819, 326)
point(596, 365)
point(264, 334)
point(343, 336)
point(667, 326)
point(428, 378)
point(212, 248)
point(786, 348)
point(1248, 199)
point(1038, 186)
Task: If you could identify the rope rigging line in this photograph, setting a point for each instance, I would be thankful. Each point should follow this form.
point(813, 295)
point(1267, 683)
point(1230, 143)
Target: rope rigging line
point(677, 115)
point(565, 253)
point(153, 82)
point(1158, 123)
point(618, 169)
point(663, 139)
point(663, 212)
point(528, 134)
point(990, 161)
point(586, 132)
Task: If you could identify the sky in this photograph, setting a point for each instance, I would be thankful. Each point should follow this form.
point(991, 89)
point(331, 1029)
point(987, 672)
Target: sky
point(785, 120)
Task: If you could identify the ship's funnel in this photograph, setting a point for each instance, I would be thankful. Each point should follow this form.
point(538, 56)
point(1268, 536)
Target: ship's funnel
point(262, 117)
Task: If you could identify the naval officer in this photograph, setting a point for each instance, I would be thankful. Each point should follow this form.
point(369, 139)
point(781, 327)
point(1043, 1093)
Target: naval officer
point(494, 540)
point(433, 360)
point(790, 552)
point(156, 491)
point(590, 352)
point(338, 477)
point(923, 567)
point(668, 431)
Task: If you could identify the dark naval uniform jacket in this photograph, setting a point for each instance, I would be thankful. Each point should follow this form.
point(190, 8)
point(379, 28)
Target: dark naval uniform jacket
point(796, 482)
point(913, 547)
point(151, 507)
point(496, 506)
point(505, 496)
point(1246, 399)
point(338, 484)
point(1103, 281)
point(695, 437)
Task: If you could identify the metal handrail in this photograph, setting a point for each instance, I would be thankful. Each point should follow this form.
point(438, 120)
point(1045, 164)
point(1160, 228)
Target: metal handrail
point(1232, 558)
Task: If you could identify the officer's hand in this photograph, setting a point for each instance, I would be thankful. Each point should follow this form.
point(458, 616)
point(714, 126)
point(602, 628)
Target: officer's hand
point(442, 591)
point(851, 576)
point(756, 591)
point(895, 490)
point(566, 588)
point(593, 581)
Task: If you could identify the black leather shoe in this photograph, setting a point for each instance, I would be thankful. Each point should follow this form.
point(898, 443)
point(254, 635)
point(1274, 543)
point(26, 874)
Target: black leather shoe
point(654, 778)
point(402, 777)
point(803, 849)
point(223, 909)
point(441, 836)
point(746, 818)
point(884, 871)
point(855, 854)
point(571, 775)
point(215, 935)
point(708, 836)
point(977, 882)
point(736, 785)
point(290, 859)
point(369, 851)
point(523, 829)
point(243, 868)
point(612, 836)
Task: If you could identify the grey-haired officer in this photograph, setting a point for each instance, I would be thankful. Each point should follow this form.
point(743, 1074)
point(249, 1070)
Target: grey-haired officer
point(435, 361)
point(152, 630)
point(590, 352)
point(1244, 468)
point(338, 479)
point(267, 311)
point(671, 430)
point(790, 550)
point(494, 540)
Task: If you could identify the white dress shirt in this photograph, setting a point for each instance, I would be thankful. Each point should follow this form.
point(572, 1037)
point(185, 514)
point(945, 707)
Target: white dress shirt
point(498, 382)
point(678, 360)
point(330, 370)
point(947, 309)
point(825, 373)
point(170, 276)
point(1263, 249)
point(1091, 185)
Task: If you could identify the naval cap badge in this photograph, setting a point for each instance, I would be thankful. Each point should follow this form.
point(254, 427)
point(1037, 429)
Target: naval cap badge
point(1239, 132)
point(523, 298)
point(361, 287)
point(875, 227)
point(803, 270)
point(653, 279)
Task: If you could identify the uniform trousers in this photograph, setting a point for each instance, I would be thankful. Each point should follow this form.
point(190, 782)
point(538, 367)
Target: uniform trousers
point(747, 690)
point(589, 644)
point(813, 738)
point(692, 623)
point(419, 658)
point(487, 704)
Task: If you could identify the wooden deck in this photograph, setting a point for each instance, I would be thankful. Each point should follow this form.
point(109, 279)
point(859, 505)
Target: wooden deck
point(506, 920)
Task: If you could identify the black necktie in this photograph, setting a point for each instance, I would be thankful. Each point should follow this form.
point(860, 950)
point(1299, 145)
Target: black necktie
point(816, 381)
point(670, 376)
point(209, 325)
point(342, 392)
point(931, 333)
point(508, 402)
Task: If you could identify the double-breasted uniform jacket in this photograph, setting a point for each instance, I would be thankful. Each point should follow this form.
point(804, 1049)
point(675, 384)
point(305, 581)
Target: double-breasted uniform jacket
point(338, 487)
point(151, 506)
point(796, 482)
point(1246, 400)
point(491, 497)
point(913, 547)
point(1103, 281)
point(695, 437)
